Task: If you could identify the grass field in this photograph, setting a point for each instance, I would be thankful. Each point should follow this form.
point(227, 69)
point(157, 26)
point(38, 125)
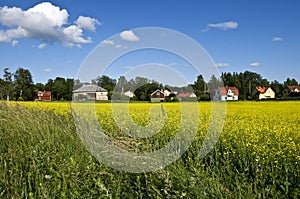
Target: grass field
point(256, 156)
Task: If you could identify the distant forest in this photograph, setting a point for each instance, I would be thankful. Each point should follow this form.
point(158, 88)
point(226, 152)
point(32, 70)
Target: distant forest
point(19, 86)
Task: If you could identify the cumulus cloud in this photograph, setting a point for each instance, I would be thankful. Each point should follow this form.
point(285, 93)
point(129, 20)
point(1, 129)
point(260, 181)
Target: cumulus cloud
point(129, 36)
point(224, 25)
point(254, 64)
point(41, 46)
point(44, 22)
point(221, 65)
point(108, 42)
point(87, 23)
point(277, 39)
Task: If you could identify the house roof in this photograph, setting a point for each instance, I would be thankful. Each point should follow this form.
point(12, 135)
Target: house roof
point(89, 88)
point(293, 88)
point(157, 91)
point(224, 90)
point(262, 89)
point(188, 94)
point(44, 93)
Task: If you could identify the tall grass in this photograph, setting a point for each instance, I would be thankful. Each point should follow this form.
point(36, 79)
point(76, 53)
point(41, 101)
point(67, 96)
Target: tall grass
point(257, 155)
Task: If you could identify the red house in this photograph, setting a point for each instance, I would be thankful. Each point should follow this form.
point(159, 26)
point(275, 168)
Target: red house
point(43, 96)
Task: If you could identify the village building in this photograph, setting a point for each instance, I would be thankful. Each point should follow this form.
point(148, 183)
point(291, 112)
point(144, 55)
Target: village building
point(189, 96)
point(226, 94)
point(43, 96)
point(157, 96)
point(90, 92)
point(265, 92)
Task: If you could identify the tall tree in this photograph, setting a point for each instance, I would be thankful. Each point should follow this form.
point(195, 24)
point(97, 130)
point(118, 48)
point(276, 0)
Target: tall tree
point(8, 84)
point(199, 87)
point(24, 84)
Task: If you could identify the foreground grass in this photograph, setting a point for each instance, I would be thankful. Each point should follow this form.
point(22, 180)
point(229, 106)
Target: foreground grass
point(258, 155)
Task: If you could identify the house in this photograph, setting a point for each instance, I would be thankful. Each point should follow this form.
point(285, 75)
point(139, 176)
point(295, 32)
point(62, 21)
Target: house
point(226, 94)
point(43, 96)
point(292, 91)
point(157, 96)
point(295, 89)
point(265, 92)
point(90, 92)
point(189, 96)
point(166, 93)
point(128, 93)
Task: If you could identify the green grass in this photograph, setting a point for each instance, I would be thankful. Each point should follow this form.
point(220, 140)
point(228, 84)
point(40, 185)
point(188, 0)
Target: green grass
point(41, 156)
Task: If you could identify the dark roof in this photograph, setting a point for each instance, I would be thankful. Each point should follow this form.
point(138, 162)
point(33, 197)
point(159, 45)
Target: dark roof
point(89, 88)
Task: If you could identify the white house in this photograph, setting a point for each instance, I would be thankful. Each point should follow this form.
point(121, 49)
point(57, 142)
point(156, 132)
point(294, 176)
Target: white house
point(128, 93)
point(90, 92)
point(265, 92)
point(226, 94)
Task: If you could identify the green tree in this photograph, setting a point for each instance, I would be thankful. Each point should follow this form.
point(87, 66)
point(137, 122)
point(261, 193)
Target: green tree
point(23, 84)
point(107, 83)
point(290, 82)
point(199, 87)
point(8, 84)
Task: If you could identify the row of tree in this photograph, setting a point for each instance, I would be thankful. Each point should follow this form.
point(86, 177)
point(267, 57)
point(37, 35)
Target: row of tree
point(19, 85)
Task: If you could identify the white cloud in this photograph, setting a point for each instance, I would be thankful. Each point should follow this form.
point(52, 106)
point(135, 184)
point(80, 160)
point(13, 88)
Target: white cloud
point(87, 23)
point(221, 65)
point(173, 64)
point(129, 36)
point(224, 25)
point(118, 46)
point(108, 42)
point(277, 39)
point(41, 46)
point(44, 22)
point(47, 70)
point(129, 67)
point(254, 64)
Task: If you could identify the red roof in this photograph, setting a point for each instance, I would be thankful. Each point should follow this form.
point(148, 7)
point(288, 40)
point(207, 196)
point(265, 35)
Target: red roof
point(262, 89)
point(188, 94)
point(224, 90)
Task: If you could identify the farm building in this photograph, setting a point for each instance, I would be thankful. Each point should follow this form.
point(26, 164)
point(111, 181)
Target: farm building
point(265, 92)
point(157, 96)
point(90, 92)
point(226, 93)
point(43, 96)
point(189, 96)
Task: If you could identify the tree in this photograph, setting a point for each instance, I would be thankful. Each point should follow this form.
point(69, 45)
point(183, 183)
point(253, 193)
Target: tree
point(122, 84)
point(39, 87)
point(24, 84)
point(199, 87)
point(8, 84)
point(214, 83)
point(278, 88)
point(107, 83)
point(290, 82)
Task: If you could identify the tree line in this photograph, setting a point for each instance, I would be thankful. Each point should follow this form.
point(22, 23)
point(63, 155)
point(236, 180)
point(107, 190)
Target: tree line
point(19, 85)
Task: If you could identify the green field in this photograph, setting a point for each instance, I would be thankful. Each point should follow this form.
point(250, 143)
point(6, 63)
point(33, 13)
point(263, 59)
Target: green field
point(256, 156)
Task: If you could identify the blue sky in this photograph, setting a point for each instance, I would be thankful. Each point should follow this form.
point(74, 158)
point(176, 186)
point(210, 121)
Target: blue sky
point(260, 36)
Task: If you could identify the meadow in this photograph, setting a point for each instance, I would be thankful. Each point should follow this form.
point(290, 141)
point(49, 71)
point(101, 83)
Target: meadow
point(256, 156)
